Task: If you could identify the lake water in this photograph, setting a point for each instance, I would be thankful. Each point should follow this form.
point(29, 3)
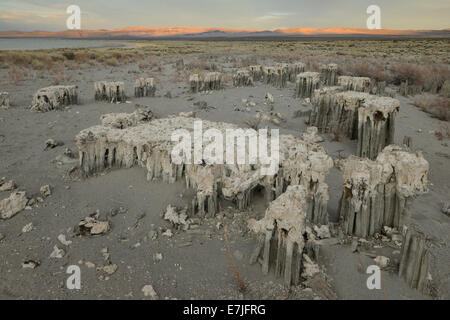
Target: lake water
point(36, 44)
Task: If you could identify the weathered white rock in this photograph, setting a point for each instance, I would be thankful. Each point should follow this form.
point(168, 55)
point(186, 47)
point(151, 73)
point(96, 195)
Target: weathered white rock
point(62, 238)
point(12, 205)
point(144, 87)
point(382, 261)
point(126, 120)
point(92, 226)
point(175, 217)
point(54, 97)
point(148, 291)
point(110, 91)
point(306, 83)
point(7, 185)
point(377, 193)
point(46, 191)
point(57, 253)
point(311, 135)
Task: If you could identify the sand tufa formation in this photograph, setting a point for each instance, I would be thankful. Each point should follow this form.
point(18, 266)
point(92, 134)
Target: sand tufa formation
point(54, 98)
point(144, 87)
point(113, 92)
point(306, 83)
point(368, 118)
point(282, 234)
point(360, 84)
point(377, 193)
point(210, 81)
point(149, 145)
point(242, 78)
point(328, 74)
point(4, 100)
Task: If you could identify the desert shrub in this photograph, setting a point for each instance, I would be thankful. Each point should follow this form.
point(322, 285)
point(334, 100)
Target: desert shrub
point(248, 61)
point(36, 64)
point(15, 75)
point(407, 72)
point(445, 89)
point(434, 76)
point(437, 106)
point(111, 61)
point(366, 68)
point(201, 65)
point(69, 55)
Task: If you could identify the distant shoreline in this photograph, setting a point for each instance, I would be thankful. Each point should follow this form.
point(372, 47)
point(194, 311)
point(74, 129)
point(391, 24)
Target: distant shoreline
point(27, 43)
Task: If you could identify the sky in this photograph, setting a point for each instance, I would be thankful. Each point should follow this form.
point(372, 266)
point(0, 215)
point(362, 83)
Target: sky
point(50, 15)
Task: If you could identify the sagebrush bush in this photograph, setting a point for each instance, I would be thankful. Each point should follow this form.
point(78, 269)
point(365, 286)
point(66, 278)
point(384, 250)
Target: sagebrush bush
point(437, 106)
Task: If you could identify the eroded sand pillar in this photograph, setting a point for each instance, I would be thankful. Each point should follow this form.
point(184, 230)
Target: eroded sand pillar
point(112, 92)
point(377, 193)
point(328, 74)
point(144, 87)
point(242, 78)
point(360, 84)
point(4, 100)
point(416, 261)
point(54, 97)
point(357, 115)
point(306, 83)
point(256, 72)
point(282, 235)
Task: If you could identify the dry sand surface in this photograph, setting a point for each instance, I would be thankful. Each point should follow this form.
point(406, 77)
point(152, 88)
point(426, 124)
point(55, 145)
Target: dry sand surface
point(189, 264)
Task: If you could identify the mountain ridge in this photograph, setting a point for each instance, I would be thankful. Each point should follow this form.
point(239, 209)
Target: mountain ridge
point(201, 32)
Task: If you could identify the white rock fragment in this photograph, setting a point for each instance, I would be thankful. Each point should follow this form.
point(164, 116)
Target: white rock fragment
point(7, 186)
point(12, 205)
point(30, 264)
point(382, 261)
point(108, 269)
point(323, 232)
point(148, 291)
point(46, 191)
point(93, 226)
point(57, 253)
point(175, 217)
point(62, 238)
point(309, 267)
point(28, 227)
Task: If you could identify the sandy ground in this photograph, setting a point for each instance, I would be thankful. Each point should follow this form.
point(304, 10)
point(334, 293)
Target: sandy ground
point(195, 263)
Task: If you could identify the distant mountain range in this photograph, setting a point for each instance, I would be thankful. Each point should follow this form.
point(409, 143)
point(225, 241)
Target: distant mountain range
point(221, 33)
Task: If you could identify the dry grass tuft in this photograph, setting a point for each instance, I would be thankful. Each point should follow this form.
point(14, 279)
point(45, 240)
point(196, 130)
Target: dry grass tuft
point(437, 106)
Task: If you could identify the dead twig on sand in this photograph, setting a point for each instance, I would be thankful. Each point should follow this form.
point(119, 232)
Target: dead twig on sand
point(241, 282)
